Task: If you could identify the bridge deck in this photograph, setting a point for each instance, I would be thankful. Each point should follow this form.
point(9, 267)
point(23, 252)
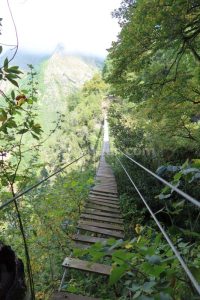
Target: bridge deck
point(100, 220)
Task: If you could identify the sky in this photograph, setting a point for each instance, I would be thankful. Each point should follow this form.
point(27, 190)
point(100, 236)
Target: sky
point(83, 26)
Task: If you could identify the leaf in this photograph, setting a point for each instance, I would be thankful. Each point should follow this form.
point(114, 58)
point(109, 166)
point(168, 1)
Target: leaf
point(161, 170)
point(35, 136)
point(3, 115)
point(37, 128)
point(145, 298)
point(4, 182)
point(137, 294)
point(5, 65)
point(196, 176)
point(135, 287)
point(22, 131)
point(190, 170)
point(14, 70)
point(154, 259)
point(162, 196)
point(173, 168)
point(196, 163)
point(154, 270)
point(128, 246)
point(196, 273)
point(178, 176)
point(116, 244)
point(11, 123)
point(1, 49)
point(147, 286)
point(164, 296)
point(29, 101)
point(13, 95)
point(14, 82)
point(117, 273)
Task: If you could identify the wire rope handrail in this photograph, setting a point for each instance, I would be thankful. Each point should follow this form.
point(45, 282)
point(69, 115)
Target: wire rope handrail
point(176, 252)
point(39, 183)
point(174, 188)
point(13, 200)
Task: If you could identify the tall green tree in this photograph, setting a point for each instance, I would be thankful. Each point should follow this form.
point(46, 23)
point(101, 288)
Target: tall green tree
point(155, 64)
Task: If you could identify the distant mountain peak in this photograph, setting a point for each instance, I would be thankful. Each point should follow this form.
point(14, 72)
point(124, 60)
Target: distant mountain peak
point(60, 49)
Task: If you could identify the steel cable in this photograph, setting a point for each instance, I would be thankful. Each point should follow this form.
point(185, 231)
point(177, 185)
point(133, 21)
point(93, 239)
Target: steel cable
point(176, 252)
point(28, 262)
point(38, 183)
point(183, 194)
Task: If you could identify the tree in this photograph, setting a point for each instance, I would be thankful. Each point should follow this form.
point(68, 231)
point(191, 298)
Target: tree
point(95, 86)
point(155, 64)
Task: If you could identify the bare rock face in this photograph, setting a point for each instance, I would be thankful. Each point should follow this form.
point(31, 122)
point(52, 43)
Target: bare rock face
point(12, 277)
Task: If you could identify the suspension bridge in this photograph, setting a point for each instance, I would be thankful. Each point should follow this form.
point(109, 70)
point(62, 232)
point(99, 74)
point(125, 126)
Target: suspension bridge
point(101, 219)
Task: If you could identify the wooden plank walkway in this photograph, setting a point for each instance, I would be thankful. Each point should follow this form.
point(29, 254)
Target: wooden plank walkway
point(100, 220)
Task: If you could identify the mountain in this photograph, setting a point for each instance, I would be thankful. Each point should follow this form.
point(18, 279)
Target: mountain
point(59, 74)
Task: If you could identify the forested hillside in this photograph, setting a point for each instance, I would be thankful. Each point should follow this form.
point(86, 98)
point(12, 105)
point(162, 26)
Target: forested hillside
point(52, 115)
point(48, 118)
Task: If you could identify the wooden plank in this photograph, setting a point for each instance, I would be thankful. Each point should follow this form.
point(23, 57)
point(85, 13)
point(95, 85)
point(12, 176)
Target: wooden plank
point(105, 225)
point(101, 213)
point(78, 264)
point(69, 296)
point(101, 231)
point(105, 219)
point(105, 180)
point(106, 186)
point(113, 185)
point(110, 196)
point(105, 183)
point(102, 202)
point(103, 194)
point(102, 208)
point(105, 171)
point(104, 190)
point(114, 202)
point(108, 200)
point(103, 175)
point(88, 239)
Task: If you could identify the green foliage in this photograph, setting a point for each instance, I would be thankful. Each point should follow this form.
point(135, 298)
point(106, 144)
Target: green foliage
point(49, 215)
point(153, 69)
point(95, 86)
point(18, 131)
point(144, 267)
point(9, 73)
point(80, 125)
point(179, 218)
point(188, 173)
point(155, 66)
point(24, 148)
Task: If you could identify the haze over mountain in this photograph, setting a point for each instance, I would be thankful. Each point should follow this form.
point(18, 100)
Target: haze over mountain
point(63, 74)
point(23, 58)
point(58, 74)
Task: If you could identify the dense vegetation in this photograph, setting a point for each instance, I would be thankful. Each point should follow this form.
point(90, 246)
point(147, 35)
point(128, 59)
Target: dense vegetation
point(153, 69)
point(153, 75)
point(39, 225)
